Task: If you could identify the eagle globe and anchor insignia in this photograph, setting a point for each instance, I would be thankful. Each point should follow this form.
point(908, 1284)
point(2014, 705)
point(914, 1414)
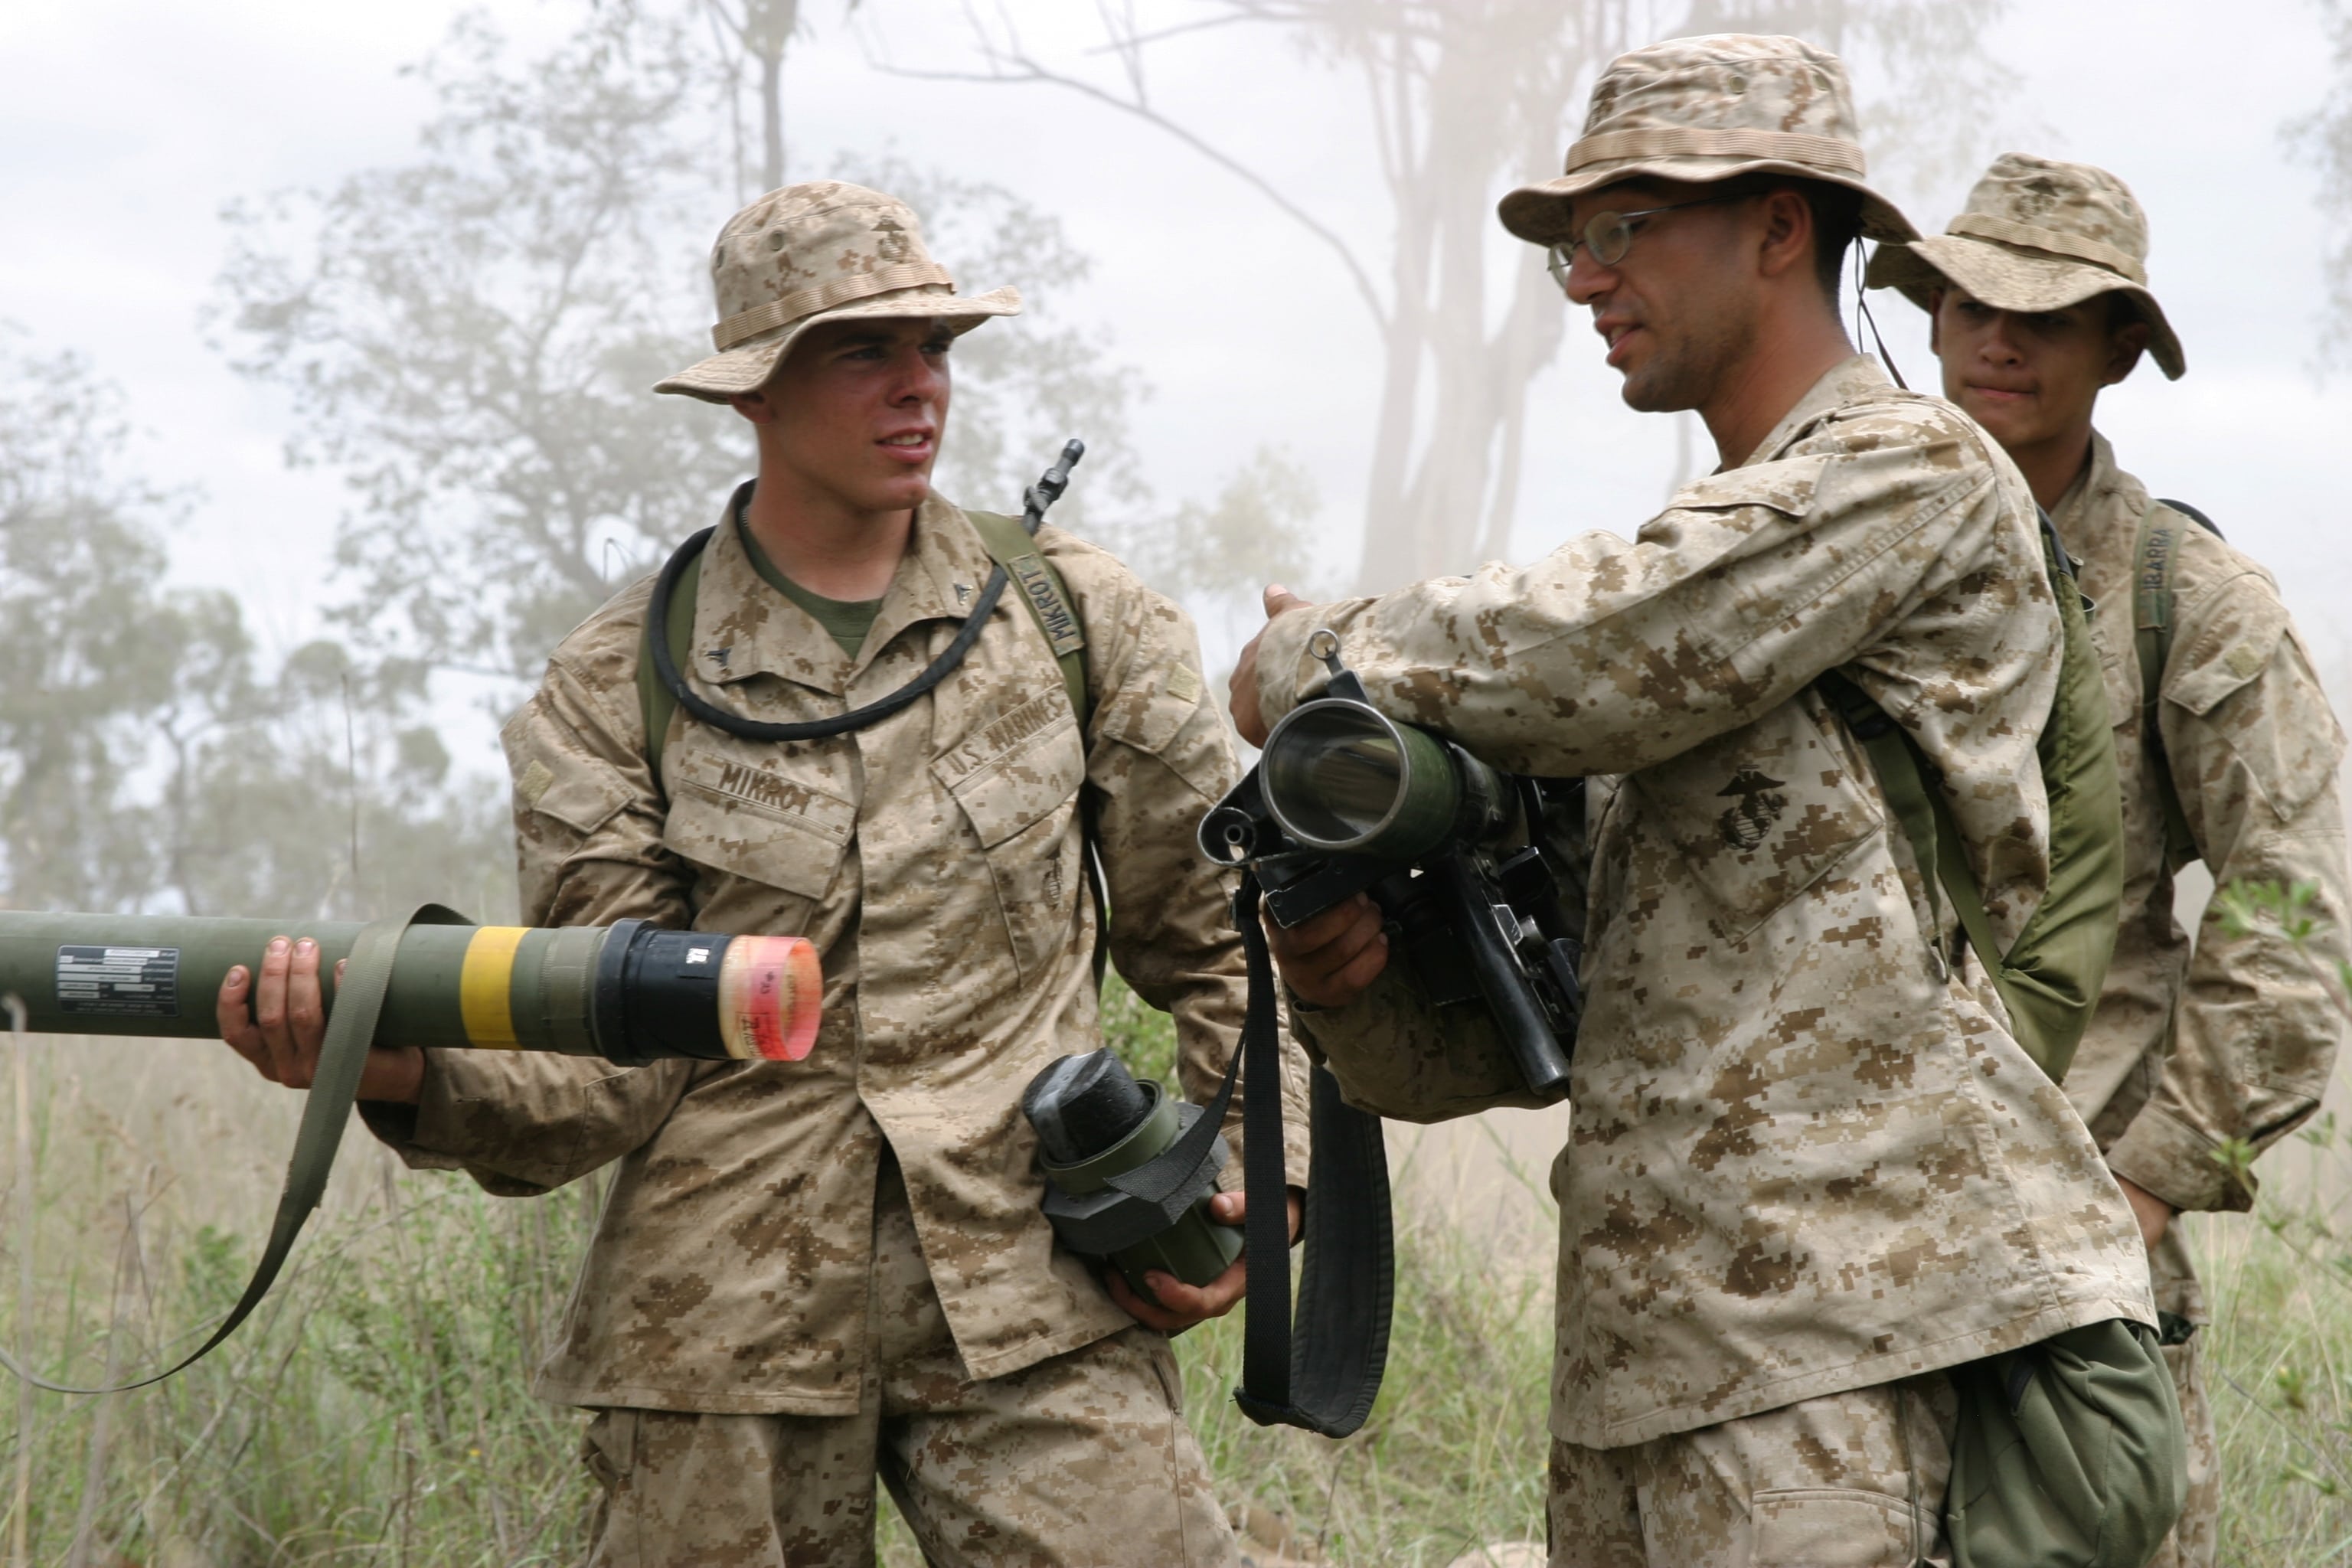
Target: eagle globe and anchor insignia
point(1756, 805)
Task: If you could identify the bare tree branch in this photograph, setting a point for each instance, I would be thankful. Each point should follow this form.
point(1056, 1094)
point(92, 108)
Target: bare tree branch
point(1027, 71)
point(1121, 43)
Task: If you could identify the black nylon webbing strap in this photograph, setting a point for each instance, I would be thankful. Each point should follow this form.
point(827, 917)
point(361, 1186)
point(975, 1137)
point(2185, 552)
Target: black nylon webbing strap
point(2153, 559)
point(1322, 1372)
point(342, 1054)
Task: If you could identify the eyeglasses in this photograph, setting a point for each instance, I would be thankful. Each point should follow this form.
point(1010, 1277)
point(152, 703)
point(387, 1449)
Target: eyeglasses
point(1610, 235)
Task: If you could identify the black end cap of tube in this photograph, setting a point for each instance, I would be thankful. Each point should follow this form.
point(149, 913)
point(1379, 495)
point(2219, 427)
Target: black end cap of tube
point(671, 994)
point(607, 1006)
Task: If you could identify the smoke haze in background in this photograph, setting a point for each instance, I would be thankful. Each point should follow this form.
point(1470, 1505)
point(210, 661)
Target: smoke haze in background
point(125, 128)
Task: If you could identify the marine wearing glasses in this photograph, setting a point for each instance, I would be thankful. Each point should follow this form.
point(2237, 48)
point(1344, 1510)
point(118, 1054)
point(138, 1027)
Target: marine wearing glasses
point(1610, 235)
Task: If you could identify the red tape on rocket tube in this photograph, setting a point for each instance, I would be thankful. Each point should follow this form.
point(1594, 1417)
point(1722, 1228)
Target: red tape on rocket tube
point(771, 992)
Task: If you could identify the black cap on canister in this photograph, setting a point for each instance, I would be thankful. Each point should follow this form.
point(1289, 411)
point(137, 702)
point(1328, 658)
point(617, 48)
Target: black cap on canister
point(1083, 1105)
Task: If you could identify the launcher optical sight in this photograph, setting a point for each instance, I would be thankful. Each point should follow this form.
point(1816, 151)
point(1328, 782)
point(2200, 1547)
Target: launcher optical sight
point(1346, 800)
point(626, 992)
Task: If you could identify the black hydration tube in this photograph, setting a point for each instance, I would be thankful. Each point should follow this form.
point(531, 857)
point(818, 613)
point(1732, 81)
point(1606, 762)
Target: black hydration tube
point(1040, 495)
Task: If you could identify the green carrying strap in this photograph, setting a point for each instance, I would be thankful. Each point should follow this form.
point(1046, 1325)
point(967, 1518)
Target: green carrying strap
point(2049, 979)
point(1011, 546)
point(2153, 558)
point(342, 1056)
point(1008, 544)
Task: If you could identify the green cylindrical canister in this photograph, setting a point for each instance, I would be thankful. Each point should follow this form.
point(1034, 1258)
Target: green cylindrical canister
point(628, 992)
point(1094, 1122)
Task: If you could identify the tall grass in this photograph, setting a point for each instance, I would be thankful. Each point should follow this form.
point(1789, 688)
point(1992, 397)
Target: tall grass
point(373, 1410)
point(2278, 1290)
point(376, 1411)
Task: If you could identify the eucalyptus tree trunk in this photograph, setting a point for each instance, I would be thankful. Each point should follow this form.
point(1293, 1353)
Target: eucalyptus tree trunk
point(757, 33)
point(1463, 102)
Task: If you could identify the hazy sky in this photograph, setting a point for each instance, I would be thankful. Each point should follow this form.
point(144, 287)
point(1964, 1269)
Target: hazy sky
point(125, 127)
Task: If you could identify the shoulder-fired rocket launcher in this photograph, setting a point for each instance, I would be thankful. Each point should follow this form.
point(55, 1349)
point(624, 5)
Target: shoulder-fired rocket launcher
point(627, 991)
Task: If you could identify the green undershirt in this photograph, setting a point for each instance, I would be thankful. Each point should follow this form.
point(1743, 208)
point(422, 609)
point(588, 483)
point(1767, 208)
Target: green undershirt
point(848, 620)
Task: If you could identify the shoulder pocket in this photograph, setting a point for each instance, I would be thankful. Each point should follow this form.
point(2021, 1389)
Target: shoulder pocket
point(581, 798)
point(1155, 706)
point(1163, 687)
point(2284, 732)
point(1785, 486)
point(746, 820)
point(2232, 646)
point(1724, 518)
point(571, 786)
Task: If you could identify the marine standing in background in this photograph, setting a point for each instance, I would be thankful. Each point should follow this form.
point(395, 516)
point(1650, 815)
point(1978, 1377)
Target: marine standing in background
point(808, 1273)
point(1808, 1167)
point(2225, 746)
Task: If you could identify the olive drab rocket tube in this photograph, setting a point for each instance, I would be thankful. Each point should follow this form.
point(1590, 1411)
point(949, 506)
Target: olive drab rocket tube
point(627, 991)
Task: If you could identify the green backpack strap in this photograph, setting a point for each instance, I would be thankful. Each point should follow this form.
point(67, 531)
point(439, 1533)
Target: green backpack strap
point(2153, 559)
point(656, 701)
point(2050, 977)
point(1010, 546)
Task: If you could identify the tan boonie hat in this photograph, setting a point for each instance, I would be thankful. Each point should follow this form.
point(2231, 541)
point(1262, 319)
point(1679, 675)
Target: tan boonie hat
point(1711, 108)
point(824, 251)
point(2038, 234)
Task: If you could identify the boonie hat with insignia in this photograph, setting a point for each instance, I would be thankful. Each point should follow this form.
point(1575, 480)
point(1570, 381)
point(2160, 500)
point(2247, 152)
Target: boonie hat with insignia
point(2038, 234)
point(822, 251)
point(1712, 108)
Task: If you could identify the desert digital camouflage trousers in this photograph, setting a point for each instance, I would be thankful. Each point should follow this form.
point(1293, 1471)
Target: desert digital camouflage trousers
point(1847, 1480)
point(2196, 1539)
point(1828, 1483)
point(1082, 1461)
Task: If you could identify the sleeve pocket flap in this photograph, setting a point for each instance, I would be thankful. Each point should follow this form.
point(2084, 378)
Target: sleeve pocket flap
point(582, 797)
point(1785, 486)
point(2233, 646)
point(1162, 691)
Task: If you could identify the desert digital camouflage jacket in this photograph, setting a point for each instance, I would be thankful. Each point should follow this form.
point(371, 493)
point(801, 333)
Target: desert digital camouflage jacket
point(1805, 1155)
point(2237, 1041)
point(935, 861)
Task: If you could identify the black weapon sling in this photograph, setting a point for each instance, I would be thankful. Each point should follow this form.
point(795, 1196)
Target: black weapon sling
point(1322, 1372)
point(2154, 554)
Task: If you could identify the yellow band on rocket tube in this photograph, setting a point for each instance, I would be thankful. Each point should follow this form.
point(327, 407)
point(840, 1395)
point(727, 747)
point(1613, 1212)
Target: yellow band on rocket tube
point(486, 987)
